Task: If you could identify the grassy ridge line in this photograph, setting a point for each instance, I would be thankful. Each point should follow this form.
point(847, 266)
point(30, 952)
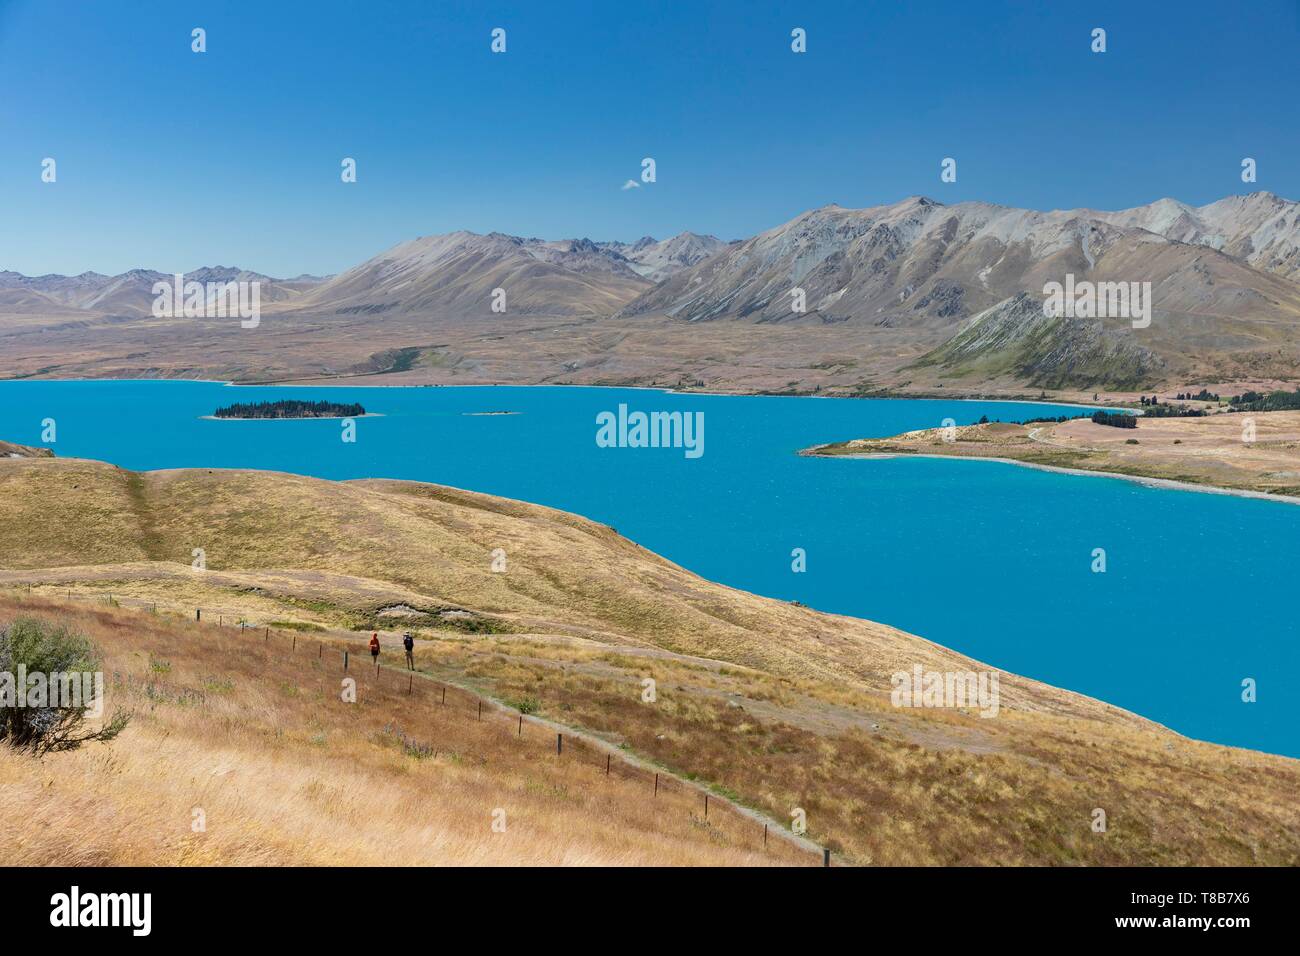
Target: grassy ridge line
point(319, 539)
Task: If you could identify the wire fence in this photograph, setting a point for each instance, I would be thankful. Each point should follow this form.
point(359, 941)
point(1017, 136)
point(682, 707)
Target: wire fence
point(353, 659)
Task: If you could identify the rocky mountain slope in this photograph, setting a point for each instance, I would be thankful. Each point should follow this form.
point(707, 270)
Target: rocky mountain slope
point(453, 273)
point(657, 260)
point(1015, 340)
point(456, 274)
point(1221, 285)
point(1261, 228)
point(889, 293)
point(923, 263)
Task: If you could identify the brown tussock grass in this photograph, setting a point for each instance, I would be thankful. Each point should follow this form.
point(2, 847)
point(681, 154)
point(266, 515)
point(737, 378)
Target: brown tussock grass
point(287, 773)
point(906, 787)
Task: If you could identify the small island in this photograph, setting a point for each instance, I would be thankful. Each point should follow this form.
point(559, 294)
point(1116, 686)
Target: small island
point(291, 408)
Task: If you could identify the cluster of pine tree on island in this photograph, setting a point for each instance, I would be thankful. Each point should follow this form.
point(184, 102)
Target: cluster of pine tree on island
point(291, 408)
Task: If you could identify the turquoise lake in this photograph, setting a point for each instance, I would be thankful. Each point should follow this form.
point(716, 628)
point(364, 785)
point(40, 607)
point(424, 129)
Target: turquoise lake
point(991, 559)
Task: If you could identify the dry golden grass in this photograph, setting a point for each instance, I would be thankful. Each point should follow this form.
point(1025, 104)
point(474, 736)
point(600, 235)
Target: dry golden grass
point(285, 772)
point(1204, 451)
point(779, 705)
point(905, 787)
point(334, 552)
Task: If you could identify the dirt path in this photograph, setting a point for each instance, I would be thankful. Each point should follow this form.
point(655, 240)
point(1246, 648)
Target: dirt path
point(1034, 435)
point(775, 827)
point(392, 641)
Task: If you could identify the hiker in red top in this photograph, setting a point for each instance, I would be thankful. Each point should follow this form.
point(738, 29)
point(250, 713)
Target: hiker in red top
point(374, 648)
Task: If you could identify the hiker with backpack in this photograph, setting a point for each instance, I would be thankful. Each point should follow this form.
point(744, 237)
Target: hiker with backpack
point(409, 643)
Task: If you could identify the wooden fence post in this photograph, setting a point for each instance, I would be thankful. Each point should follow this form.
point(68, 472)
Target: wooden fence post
point(826, 856)
point(656, 785)
point(295, 644)
point(444, 694)
point(764, 834)
point(607, 759)
point(521, 724)
point(706, 806)
point(410, 685)
point(345, 661)
point(198, 614)
point(480, 710)
point(320, 651)
point(559, 743)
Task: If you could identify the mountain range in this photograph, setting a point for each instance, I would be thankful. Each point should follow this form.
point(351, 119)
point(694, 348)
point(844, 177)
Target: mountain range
point(921, 258)
point(914, 294)
point(130, 293)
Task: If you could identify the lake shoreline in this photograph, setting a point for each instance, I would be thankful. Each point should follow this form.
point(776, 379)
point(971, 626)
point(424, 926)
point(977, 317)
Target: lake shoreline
point(883, 396)
point(937, 396)
point(886, 523)
point(1150, 481)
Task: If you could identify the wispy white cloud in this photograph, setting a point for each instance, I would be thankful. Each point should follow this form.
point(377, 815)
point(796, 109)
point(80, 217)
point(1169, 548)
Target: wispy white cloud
point(631, 184)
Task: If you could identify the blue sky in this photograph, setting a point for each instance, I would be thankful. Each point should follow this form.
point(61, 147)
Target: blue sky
point(170, 159)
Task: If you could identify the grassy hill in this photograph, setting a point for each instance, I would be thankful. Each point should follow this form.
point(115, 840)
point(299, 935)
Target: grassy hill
point(252, 739)
point(776, 705)
point(10, 450)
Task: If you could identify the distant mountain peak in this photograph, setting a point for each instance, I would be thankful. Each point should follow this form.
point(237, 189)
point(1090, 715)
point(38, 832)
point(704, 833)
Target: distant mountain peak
point(919, 263)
